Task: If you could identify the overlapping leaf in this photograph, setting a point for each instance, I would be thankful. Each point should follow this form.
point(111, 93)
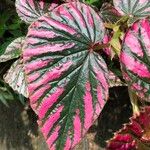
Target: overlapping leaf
point(134, 135)
point(13, 50)
point(67, 80)
point(15, 77)
point(30, 10)
point(109, 13)
point(133, 8)
point(135, 58)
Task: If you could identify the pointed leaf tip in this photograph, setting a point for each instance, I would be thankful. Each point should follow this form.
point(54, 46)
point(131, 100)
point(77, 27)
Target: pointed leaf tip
point(67, 81)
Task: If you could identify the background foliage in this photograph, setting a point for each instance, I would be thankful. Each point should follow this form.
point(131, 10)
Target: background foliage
point(11, 27)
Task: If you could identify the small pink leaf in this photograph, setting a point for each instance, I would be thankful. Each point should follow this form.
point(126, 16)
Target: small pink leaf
point(30, 10)
point(135, 58)
point(67, 80)
point(134, 135)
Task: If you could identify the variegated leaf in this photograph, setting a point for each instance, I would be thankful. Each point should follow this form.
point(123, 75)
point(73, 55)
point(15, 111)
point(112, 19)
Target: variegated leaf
point(15, 77)
point(67, 80)
point(30, 10)
point(133, 8)
point(13, 50)
point(135, 58)
point(134, 135)
point(109, 13)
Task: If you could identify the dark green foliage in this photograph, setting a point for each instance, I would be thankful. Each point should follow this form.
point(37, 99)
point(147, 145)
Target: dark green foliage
point(5, 93)
point(97, 3)
point(11, 26)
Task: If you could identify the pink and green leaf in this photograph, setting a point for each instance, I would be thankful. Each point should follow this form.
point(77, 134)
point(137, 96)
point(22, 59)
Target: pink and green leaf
point(135, 58)
point(134, 135)
point(15, 77)
point(67, 80)
point(30, 10)
point(13, 50)
point(133, 8)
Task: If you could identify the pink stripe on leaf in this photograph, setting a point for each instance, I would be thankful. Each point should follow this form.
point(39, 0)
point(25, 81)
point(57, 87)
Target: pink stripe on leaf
point(51, 121)
point(48, 102)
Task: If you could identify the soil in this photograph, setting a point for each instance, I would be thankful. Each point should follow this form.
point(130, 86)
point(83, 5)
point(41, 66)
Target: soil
point(19, 130)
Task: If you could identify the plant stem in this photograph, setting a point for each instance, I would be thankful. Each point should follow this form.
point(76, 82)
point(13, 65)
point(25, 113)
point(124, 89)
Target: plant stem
point(134, 101)
point(100, 46)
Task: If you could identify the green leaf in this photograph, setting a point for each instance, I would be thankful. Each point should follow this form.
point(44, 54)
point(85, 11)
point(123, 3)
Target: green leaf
point(4, 17)
point(5, 93)
point(115, 40)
